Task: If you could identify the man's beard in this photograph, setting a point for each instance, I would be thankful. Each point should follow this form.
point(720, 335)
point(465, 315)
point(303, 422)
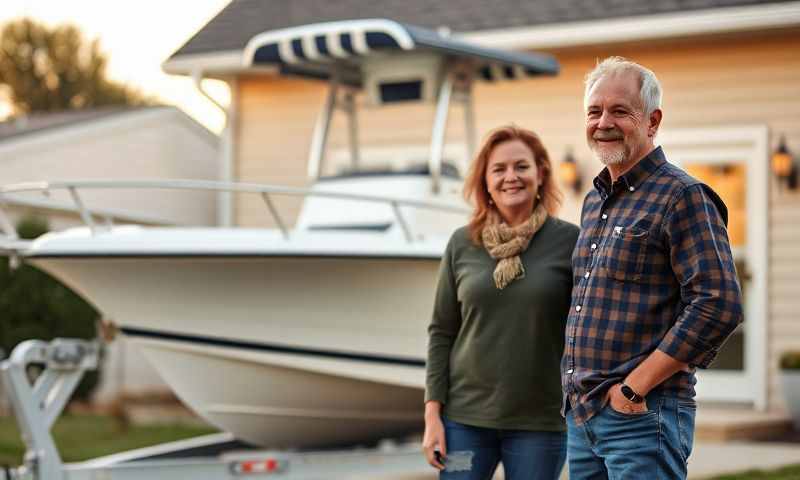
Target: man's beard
point(613, 157)
point(609, 157)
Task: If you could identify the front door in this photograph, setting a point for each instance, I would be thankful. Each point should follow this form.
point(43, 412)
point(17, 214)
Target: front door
point(734, 162)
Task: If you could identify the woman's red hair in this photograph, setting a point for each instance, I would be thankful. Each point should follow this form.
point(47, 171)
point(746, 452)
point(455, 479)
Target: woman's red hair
point(476, 190)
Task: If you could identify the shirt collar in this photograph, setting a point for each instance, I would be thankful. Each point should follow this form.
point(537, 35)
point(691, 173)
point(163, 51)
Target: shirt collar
point(633, 177)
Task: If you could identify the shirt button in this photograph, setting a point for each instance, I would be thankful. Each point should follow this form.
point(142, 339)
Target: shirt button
point(594, 246)
point(577, 308)
point(631, 189)
point(604, 216)
point(586, 275)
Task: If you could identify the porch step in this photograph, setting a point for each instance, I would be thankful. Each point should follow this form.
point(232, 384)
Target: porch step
point(725, 423)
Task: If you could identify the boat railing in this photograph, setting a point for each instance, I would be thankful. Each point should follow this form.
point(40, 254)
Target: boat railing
point(74, 187)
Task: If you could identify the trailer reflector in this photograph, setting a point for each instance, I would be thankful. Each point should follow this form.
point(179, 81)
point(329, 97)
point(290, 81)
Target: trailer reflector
point(250, 467)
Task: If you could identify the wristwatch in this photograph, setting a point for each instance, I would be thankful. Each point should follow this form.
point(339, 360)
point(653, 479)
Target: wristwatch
point(632, 396)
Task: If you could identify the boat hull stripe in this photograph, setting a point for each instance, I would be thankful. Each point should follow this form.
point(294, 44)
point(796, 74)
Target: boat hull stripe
point(270, 347)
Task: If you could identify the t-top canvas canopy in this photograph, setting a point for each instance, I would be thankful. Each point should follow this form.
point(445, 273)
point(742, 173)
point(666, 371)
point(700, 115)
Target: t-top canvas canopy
point(318, 50)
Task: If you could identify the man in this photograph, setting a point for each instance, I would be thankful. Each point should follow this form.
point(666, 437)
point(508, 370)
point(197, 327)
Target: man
point(655, 295)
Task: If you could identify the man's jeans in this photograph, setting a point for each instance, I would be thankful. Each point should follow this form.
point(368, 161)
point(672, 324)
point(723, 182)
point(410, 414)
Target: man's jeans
point(652, 445)
point(474, 452)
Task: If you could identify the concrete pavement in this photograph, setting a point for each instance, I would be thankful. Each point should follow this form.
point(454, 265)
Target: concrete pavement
point(710, 459)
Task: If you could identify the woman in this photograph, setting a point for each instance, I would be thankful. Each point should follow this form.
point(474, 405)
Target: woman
point(497, 334)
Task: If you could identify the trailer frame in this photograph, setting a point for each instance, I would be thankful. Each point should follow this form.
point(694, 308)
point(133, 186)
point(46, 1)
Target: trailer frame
point(37, 405)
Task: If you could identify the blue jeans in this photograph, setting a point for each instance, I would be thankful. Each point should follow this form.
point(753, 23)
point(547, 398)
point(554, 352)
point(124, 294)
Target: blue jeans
point(652, 446)
point(474, 452)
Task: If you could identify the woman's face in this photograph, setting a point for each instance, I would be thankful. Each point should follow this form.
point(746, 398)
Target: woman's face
point(512, 177)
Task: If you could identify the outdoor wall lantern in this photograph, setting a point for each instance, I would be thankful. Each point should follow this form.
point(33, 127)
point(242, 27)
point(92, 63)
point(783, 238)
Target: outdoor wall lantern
point(570, 173)
point(784, 167)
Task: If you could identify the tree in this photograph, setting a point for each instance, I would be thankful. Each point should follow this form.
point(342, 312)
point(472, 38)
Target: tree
point(46, 69)
point(34, 305)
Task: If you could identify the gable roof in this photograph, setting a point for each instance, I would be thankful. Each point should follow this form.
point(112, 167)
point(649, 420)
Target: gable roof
point(38, 127)
point(33, 123)
point(241, 20)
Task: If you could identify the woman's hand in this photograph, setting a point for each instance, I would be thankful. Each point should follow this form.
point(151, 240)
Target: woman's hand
point(433, 440)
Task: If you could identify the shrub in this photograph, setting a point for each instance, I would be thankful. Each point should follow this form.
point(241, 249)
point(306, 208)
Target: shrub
point(34, 305)
point(790, 360)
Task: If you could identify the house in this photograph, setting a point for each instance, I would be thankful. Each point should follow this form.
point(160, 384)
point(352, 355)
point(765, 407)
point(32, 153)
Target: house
point(111, 142)
point(120, 143)
point(731, 78)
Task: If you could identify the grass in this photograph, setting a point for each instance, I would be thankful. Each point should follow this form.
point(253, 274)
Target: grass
point(81, 437)
point(786, 473)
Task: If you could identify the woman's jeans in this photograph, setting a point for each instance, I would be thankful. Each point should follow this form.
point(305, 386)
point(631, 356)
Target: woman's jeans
point(652, 446)
point(474, 452)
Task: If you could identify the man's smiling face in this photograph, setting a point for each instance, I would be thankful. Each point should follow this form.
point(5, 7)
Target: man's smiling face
point(617, 130)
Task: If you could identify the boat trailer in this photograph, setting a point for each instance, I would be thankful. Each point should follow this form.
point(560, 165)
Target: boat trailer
point(38, 405)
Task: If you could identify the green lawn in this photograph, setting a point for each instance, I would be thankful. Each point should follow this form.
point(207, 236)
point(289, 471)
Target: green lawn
point(81, 437)
point(787, 473)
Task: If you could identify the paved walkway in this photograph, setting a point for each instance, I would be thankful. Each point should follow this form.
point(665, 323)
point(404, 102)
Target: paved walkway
point(710, 459)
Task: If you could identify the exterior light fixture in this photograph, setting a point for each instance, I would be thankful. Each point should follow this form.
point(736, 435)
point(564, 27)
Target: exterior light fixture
point(569, 172)
point(783, 165)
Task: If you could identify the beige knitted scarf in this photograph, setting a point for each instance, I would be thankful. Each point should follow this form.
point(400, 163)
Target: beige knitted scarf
point(506, 243)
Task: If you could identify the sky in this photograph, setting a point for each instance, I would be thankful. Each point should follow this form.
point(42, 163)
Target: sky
point(137, 37)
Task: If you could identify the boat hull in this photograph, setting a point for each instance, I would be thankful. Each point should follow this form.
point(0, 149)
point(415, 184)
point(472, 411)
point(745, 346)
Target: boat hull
point(280, 351)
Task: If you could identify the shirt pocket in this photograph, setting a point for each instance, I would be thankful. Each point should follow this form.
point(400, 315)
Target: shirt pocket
point(625, 253)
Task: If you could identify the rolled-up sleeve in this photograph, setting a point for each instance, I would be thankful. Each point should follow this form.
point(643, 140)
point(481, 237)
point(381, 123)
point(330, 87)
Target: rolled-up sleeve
point(701, 259)
point(443, 330)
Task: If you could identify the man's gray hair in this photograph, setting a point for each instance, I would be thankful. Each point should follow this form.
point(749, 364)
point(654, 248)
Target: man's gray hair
point(650, 91)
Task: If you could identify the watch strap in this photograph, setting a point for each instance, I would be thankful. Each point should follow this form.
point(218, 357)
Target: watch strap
point(631, 394)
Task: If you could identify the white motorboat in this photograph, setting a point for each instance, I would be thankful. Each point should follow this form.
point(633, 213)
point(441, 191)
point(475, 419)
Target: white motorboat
point(312, 335)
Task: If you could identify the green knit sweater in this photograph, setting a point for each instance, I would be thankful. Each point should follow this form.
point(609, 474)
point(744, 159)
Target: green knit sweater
point(493, 355)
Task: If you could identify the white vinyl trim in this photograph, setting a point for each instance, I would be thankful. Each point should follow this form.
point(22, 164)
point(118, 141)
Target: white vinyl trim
point(717, 20)
point(215, 62)
point(225, 204)
point(752, 147)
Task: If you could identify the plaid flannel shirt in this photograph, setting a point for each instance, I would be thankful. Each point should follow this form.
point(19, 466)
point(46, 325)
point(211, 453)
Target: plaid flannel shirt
point(652, 270)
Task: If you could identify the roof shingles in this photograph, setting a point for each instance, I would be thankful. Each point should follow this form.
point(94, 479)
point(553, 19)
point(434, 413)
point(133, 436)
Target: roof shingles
point(37, 122)
point(241, 20)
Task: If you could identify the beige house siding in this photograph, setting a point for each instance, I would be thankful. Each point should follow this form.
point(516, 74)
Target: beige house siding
point(745, 79)
point(784, 298)
point(276, 118)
